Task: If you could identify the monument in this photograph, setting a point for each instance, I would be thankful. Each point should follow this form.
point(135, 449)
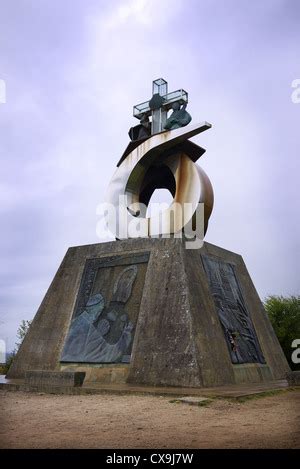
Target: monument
point(157, 306)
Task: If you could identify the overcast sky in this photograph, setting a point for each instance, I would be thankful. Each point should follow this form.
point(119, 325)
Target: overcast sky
point(73, 70)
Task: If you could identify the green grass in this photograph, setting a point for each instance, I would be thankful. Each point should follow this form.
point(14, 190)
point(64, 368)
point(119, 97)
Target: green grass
point(242, 399)
point(262, 394)
point(200, 403)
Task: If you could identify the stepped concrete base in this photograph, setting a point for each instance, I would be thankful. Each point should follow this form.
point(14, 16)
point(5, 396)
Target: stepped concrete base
point(293, 378)
point(177, 337)
point(236, 391)
point(54, 378)
point(105, 374)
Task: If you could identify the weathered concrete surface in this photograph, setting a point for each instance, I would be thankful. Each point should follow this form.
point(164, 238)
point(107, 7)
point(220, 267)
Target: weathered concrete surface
point(252, 373)
point(105, 374)
point(233, 391)
point(178, 340)
point(293, 378)
point(43, 344)
point(54, 378)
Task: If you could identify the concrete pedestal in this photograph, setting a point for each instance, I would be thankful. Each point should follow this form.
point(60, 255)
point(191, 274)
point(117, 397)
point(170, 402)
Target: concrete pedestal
point(177, 338)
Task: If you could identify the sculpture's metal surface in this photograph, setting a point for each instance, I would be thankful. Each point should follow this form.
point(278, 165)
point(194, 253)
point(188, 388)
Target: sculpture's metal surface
point(179, 117)
point(235, 319)
point(161, 161)
point(141, 131)
point(102, 333)
point(159, 105)
point(103, 323)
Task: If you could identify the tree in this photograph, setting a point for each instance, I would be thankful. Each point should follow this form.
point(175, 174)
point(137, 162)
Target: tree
point(284, 314)
point(21, 332)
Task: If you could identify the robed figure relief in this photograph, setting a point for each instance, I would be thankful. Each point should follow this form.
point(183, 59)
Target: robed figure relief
point(234, 317)
point(103, 333)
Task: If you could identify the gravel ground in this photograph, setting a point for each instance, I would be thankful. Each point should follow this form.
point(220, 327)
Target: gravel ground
point(31, 420)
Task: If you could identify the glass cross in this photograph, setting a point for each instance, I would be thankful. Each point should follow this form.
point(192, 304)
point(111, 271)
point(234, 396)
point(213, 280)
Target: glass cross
point(159, 105)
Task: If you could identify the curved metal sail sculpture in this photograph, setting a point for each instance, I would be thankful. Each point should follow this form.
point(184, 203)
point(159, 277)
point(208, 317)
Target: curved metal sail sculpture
point(164, 160)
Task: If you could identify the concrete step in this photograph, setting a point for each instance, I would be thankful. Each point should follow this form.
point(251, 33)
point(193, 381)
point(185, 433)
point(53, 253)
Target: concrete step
point(230, 392)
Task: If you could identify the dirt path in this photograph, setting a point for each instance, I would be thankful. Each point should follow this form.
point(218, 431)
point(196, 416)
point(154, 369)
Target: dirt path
point(106, 421)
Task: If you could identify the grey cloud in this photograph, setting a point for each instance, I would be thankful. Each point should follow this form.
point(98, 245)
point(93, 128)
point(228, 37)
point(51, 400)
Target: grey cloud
point(73, 71)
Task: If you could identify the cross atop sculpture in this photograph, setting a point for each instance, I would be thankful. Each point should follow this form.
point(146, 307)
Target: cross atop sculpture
point(158, 106)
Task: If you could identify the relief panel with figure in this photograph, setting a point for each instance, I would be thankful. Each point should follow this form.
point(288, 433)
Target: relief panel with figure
point(236, 322)
point(106, 311)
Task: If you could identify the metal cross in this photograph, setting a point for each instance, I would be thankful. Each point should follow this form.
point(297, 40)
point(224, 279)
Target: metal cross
point(159, 105)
